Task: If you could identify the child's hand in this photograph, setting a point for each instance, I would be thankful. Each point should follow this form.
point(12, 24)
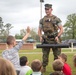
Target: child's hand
point(28, 29)
point(27, 34)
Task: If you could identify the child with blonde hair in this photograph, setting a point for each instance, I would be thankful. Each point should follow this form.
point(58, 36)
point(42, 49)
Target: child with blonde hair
point(57, 67)
point(36, 66)
point(6, 67)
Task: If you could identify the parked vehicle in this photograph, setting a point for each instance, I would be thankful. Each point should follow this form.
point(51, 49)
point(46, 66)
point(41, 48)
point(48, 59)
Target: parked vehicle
point(69, 41)
point(30, 41)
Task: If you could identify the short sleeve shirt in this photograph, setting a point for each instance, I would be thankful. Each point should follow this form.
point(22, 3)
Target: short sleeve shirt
point(57, 20)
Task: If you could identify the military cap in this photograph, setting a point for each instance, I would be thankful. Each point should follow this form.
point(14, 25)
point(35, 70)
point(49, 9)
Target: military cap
point(47, 6)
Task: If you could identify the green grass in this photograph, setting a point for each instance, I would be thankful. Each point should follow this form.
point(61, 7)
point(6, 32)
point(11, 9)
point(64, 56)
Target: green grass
point(37, 54)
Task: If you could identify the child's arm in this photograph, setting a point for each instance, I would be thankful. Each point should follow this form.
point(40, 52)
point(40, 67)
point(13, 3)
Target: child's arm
point(28, 32)
point(19, 45)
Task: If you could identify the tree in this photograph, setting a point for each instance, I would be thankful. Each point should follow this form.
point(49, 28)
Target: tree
point(70, 27)
point(22, 33)
point(1, 26)
point(18, 36)
point(8, 26)
point(4, 30)
point(1, 30)
point(33, 34)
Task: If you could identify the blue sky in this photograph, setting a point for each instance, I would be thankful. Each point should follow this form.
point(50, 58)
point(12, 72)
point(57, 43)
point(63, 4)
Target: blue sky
point(23, 13)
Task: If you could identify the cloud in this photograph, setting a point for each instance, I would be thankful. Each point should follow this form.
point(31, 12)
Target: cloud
point(21, 13)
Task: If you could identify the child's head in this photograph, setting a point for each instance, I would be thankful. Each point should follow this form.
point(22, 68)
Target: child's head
point(36, 65)
point(74, 60)
point(57, 65)
point(23, 61)
point(11, 40)
point(63, 57)
point(6, 67)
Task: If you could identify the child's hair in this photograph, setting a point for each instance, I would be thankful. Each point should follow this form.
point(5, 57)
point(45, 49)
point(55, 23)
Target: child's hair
point(23, 60)
point(6, 67)
point(36, 65)
point(63, 56)
point(57, 73)
point(57, 65)
point(74, 60)
point(10, 40)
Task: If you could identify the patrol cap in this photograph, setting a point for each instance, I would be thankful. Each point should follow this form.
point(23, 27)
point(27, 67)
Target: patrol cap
point(48, 6)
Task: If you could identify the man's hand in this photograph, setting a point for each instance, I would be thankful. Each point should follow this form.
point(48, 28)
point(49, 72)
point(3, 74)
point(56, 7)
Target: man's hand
point(41, 39)
point(57, 39)
point(27, 34)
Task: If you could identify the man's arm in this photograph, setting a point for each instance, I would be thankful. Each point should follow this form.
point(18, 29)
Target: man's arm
point(40, 34)
point(19, 45)
point(40, 29)
point(60, 32)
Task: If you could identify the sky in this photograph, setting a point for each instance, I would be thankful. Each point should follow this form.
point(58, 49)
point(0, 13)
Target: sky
point(23, 13)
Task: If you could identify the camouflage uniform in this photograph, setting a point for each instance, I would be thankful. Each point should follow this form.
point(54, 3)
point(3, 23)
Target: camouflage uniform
point(49, 25)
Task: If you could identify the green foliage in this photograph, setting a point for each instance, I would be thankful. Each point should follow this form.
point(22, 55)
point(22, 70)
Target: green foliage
point(17, 36)
point(4, 30)
point(70, 27)
point(22, 32)
point(33, 34)
point(8, 26)
point(1, 26)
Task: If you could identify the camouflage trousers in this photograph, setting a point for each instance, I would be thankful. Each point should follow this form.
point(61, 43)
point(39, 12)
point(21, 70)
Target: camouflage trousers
point(46, 51)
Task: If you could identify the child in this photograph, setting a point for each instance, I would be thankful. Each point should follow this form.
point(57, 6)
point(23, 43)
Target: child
point(6, 67)
point(25, 69)
point(11, 53)
point(74, 60)
point(36, 66)
point(66, 68)
point(57, 73)
point(57, 67)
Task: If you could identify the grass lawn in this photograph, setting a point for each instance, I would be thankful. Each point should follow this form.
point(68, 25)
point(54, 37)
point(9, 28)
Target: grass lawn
point(37, 54)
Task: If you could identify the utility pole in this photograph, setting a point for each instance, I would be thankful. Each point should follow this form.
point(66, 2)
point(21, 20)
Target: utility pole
point(41, 1)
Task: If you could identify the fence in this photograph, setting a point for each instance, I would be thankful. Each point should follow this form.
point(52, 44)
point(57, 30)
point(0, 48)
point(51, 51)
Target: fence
point(72, 47)
point(29, 46)
point(26, 46)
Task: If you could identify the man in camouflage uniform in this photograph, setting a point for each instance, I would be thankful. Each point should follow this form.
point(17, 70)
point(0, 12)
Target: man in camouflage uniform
point(49, 24)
